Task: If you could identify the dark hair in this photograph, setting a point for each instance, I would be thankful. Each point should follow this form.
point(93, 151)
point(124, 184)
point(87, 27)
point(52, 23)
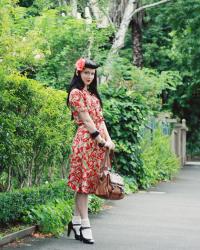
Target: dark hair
point(77, 82)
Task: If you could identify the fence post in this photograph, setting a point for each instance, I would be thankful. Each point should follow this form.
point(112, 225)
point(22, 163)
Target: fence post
point(179, 140)
point(184, 130)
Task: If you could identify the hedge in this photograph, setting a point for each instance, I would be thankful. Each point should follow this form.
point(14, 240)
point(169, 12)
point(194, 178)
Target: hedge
point(159, 162)
point(14, 204)
point(35, 133)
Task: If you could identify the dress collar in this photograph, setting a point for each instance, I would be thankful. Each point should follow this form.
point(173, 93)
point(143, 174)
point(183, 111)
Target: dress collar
point(87, 91)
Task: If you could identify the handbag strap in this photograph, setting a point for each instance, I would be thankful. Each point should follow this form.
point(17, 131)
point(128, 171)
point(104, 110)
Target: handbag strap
point(103, 164)
point(113, 158)
point(109, 156)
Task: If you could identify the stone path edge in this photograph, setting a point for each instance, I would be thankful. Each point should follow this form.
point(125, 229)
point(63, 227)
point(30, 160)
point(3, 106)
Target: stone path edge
point(17, 235)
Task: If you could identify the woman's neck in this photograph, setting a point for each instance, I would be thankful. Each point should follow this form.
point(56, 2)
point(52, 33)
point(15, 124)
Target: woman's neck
point(85, 88)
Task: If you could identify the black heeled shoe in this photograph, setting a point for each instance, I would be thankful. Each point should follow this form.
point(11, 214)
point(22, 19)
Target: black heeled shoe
point(70, 228)
point(85, 240)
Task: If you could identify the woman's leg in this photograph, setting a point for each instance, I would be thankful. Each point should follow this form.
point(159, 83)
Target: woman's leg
point(76, 219)
point(81, 205)
point(82, 208)
point(76, 209)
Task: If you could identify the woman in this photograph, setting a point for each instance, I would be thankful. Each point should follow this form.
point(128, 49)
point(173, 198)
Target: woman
point(89, 145)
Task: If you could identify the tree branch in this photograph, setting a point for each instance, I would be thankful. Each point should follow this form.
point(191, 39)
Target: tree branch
point(130, 10)
point(149, 6)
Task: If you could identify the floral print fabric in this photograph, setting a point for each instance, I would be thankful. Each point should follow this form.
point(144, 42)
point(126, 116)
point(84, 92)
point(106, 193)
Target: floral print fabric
point(87, 156)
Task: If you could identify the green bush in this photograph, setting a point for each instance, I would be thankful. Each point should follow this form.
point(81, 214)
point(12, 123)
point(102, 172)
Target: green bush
point(51, 217)
point(64, 50)
point(159, 163)
point(149, 83)
point(46, 46)
point(95, 204)
point(131, 185)
point(35, 132)
point(125, 114)
point(14, 204)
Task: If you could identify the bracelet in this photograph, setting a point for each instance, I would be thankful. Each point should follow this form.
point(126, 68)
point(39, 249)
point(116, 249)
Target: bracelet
point(101, 144)
point(95, 134)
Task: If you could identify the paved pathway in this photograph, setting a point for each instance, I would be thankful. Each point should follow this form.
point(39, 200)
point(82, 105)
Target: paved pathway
point(165, 218)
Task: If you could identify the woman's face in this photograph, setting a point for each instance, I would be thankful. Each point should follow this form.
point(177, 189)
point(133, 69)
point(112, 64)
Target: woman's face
point(87, 75)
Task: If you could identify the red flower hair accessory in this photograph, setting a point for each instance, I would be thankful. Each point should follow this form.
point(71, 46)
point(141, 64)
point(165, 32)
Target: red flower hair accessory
point(80, 64)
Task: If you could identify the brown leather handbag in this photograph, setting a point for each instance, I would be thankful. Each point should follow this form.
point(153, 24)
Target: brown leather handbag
point(110, 185)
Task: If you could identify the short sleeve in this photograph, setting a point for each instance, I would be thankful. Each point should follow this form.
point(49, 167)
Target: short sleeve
point(76, 101)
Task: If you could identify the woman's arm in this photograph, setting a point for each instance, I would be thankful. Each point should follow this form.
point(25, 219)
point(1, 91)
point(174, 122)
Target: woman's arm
point(109, 141)
point(106, 132)
point(89, 124)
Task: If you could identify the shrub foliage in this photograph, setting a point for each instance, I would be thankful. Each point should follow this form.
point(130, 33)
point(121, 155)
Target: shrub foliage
point(35, 132)
point(14, 204)
point(159, 162)
point(125, 114)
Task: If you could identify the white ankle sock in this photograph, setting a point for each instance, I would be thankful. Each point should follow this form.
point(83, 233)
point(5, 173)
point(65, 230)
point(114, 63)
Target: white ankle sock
point(76, 220)
point(87, 233)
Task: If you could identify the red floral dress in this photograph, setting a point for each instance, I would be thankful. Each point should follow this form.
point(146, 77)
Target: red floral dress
point(87, 156)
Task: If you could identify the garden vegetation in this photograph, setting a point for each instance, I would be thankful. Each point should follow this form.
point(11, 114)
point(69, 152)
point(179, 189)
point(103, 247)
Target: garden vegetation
point(40, 41)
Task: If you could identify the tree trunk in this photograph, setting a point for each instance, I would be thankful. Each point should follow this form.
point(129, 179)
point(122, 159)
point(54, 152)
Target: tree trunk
point(63, 171)
point(74, 8)
point(62, 2)
point(64, 168)
point(116, 11)
point(35, 171)
point(30, 172)
point(9, 178)
point(136, 25)
point(120, 35)
point(137, 46)
point(22, 184)
point(88, 15)
point(59, 3)
point(100, 14)
point(50, 173)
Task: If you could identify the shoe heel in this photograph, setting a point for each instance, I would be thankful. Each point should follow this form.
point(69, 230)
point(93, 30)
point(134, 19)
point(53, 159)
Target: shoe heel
point(70, 227)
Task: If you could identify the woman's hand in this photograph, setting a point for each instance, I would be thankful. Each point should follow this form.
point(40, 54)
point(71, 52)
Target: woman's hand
point(110, 145)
